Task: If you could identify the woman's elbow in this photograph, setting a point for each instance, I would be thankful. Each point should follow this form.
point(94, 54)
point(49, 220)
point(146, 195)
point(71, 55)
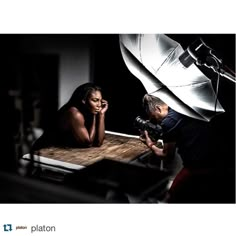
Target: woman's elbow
point(98, 144)
point(93, 144)
point(85, 144)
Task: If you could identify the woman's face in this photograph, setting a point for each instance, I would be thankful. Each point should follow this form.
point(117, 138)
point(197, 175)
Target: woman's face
point(94, 102)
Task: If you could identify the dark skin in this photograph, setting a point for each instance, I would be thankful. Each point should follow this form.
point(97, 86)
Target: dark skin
point(90, 133)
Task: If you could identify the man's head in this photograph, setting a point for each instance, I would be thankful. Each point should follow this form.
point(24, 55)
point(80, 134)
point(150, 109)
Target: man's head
point(155, 108)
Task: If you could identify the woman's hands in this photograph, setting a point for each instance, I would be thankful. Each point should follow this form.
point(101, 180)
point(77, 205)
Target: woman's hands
point(104, 107)
point(101, 123)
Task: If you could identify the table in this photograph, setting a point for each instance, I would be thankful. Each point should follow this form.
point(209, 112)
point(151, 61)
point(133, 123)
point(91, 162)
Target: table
point(117, 146)
point(103, 171)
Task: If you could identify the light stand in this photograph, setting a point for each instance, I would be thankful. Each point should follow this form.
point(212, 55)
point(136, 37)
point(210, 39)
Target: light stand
point(203, 55)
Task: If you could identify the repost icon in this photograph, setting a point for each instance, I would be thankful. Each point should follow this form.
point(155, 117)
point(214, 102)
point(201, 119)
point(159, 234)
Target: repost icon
point(7, 227)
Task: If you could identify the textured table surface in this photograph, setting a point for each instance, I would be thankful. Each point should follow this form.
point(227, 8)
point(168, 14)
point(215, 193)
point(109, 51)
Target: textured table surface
point(115, 147)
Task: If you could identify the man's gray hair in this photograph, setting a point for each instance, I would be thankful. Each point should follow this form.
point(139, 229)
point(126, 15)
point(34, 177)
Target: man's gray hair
point(150, 102)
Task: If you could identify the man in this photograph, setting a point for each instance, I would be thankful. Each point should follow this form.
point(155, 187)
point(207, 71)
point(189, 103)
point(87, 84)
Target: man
point(200, 179)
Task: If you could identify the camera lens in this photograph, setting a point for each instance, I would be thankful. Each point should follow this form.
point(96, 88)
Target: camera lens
point(154, 131)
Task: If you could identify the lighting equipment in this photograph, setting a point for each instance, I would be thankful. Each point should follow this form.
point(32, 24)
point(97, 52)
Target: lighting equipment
point(201, 54)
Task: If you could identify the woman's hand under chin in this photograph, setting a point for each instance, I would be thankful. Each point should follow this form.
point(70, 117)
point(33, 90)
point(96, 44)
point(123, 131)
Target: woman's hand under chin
point(104, 107)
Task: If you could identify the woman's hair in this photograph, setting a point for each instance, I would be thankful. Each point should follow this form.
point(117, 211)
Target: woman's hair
point(82, 93)
point(150, 102)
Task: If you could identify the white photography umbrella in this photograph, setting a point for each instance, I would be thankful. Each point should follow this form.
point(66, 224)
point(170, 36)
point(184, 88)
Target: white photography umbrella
point(154, 60)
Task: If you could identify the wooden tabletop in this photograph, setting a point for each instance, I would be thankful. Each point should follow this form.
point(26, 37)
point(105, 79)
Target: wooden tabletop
point(116, 147)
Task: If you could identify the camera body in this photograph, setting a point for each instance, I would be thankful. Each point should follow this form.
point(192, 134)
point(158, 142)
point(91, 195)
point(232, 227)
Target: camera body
point(154, 131)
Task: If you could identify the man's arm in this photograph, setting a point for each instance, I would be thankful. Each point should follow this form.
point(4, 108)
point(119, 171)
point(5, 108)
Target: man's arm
point(167, 151)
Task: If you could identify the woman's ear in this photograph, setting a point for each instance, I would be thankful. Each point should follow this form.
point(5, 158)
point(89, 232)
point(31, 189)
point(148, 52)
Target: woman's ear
point(83, 101)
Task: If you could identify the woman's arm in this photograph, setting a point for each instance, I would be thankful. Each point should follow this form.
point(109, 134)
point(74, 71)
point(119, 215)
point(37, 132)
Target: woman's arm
point(84, 136)
point(101, 124)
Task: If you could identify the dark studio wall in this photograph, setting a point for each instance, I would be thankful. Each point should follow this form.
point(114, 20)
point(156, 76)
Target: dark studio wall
point(123, 91)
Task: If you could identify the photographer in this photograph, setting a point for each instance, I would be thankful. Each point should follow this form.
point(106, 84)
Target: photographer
point(200, 178)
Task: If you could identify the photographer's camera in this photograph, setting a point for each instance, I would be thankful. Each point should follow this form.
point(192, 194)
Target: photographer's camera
point(154, 130)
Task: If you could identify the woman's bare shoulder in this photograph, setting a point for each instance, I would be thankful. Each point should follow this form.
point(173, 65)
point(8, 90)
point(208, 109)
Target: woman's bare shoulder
point(73, 112)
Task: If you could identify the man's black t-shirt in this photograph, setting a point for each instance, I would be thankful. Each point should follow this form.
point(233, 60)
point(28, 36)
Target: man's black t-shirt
point(193, 138)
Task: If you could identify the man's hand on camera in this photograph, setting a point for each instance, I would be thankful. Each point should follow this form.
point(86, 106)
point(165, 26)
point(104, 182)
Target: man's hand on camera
point(146, 139)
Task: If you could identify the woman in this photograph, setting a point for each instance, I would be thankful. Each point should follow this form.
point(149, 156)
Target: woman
point(80, 122)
